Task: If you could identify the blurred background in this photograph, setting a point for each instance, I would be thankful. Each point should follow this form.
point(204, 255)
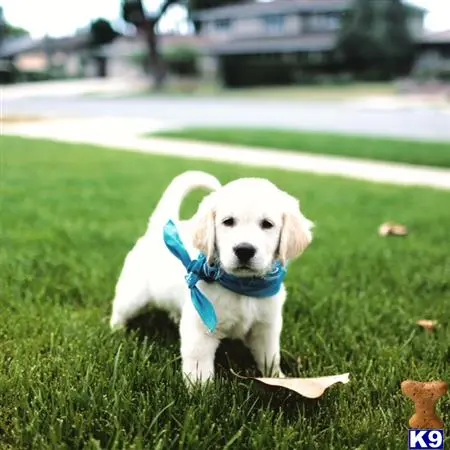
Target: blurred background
point(181, 63)
point(193, 45)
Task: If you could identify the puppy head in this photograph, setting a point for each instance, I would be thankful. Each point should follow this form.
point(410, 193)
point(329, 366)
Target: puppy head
point(249, 224)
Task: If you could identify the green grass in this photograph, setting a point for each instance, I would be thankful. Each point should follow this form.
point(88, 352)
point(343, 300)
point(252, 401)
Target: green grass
point(401, 151)
point(309, 92)
point(314, 92)
point(70, 213)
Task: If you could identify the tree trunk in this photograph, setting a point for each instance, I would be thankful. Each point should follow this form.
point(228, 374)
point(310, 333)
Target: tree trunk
point(155, 61)
point(102, 66)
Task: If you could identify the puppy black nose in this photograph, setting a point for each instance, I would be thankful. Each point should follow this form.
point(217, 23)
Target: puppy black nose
point(245, 252)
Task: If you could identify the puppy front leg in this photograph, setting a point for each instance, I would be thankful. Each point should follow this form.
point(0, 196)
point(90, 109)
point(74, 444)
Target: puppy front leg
point(264, 343)
point(198, 349)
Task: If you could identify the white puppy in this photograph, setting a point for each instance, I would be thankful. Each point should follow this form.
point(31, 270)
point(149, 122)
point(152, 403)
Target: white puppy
point(244, 228)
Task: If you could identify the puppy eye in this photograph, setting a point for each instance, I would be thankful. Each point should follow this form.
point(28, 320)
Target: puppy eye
point(266, 224)
point(229, 222)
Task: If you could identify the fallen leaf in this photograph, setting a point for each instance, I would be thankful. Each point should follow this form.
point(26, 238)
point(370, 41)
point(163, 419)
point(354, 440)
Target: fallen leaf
point(392, 229)
point(429, 325)
point(306, 387)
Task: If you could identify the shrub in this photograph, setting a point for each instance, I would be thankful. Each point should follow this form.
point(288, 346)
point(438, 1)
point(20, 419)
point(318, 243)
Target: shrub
point(34, 75)
point(182, 61)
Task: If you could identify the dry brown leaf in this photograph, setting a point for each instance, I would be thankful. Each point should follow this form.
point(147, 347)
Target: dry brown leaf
point(392, 229)
point(429, 325)
point(19, 119)
point(306, 387)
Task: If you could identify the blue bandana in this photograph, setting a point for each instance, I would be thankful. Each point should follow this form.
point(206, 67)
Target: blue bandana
point(199, 269)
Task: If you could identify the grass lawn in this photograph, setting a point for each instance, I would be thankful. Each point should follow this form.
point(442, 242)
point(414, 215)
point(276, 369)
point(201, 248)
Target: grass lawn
point(401, 151)
point(69, 214)
point(314, 92)
point(318, 92)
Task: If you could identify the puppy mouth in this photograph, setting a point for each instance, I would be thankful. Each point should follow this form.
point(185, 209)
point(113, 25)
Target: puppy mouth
point(246, 270)
point(239, 269)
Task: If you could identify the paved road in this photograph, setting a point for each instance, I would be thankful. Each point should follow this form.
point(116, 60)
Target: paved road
point(420, 123)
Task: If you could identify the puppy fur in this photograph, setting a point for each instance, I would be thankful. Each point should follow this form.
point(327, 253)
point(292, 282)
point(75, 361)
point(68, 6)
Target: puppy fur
point(249, 211)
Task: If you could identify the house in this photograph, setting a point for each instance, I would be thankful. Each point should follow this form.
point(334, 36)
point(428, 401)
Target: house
point(438, 43)
point(287, 31)
point(126, 54)
point(36, 57)
point(74, 57)
point(433, 56)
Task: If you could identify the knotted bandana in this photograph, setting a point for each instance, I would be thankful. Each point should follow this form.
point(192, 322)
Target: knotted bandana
point(199, 269)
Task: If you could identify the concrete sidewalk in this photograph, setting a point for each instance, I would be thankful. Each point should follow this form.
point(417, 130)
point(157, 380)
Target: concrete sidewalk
point(76, 88)
point(124, 134)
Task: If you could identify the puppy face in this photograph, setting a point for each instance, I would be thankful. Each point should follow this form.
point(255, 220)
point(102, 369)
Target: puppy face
point(248, 225)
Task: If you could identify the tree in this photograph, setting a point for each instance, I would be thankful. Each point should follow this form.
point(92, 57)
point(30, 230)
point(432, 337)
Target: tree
point(101, 33)
point(358, 43)
point(7, 30)
point(134, 13)
point(13, 31)
point(375, 38)
point(399, 53)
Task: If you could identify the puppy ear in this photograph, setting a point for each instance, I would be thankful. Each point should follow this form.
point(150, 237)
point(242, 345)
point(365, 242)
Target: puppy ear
point(204, 235)
point(296, 232)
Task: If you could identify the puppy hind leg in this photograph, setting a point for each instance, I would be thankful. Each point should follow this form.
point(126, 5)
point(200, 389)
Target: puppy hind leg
point(131, 293)
point(126, 306)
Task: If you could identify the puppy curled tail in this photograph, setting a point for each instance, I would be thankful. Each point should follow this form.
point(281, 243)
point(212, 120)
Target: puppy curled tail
point(168, 208)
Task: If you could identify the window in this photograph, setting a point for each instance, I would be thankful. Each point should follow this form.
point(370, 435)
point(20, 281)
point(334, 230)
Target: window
point(222, 24)
point(274, 23)
point(333, 23)
point(323, 22)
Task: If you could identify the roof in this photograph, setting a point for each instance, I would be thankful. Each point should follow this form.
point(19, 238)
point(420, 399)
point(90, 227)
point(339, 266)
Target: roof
point(69, 43)
point(125, 46)
point(315, 43)
point(442, 37)
point(254, 8)
point(181, 40)
point(15, 46)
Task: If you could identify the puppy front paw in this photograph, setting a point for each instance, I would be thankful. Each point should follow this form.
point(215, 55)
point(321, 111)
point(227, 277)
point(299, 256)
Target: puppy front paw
point(197, 374)
point(274, 373)
point(192, 381)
